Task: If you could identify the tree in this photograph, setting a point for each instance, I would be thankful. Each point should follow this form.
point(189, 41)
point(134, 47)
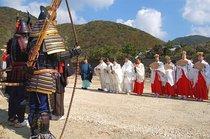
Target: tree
point(130, 49)
point(106, 52)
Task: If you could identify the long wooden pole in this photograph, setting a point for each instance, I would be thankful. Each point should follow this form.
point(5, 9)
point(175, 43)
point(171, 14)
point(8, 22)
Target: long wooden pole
point(72, 22)
point(77, 70)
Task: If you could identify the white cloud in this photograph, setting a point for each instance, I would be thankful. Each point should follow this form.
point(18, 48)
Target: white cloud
point(201, 30)
point(33, 8)
point(148, 20)
point(96, 4)
point(63, 17)
point(128, 22)
point(197, 11)
point(18, 4)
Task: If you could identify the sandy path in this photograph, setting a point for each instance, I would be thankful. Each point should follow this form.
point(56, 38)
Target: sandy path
point(99, 115)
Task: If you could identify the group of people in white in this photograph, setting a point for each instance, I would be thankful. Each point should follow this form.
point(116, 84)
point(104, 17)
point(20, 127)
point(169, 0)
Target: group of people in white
point(183, 79)
point(117, 79)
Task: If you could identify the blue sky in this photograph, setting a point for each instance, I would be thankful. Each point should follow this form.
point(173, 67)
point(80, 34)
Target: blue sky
point(165, 19)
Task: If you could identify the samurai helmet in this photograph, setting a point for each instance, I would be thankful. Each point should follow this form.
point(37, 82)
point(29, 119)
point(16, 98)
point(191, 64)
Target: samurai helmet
point(54, 43)
point(43, 13)
point(22, 27)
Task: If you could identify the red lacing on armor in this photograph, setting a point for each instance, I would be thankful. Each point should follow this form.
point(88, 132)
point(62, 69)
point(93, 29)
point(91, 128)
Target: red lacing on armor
point(60, 67)
point(4, 56)
point(22, 44)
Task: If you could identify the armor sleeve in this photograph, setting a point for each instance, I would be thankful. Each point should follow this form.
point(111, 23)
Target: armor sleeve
point(69, 54)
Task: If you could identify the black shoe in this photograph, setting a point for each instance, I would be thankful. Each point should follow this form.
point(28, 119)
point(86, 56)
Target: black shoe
point(99, 89)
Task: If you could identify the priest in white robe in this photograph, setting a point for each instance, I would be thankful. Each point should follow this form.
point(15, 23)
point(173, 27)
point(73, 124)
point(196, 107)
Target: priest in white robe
point(108, 76)
point(99, 71)
point(117, 77)
point(128, 76)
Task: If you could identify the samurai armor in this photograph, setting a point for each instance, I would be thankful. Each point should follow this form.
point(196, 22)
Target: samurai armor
point(44, 123)
point(17, 50)
point(53, 42)
point(69, 54)
point(23, 42)
point(33, 121)
point(18, 73)
point(40, 124)
point(42, 82)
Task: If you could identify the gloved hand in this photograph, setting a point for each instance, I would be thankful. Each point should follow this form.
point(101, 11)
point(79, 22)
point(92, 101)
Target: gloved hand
point(76, 51)
point(69, 54)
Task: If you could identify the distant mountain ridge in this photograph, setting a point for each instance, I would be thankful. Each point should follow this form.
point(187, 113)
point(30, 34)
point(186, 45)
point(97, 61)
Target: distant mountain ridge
point(191, 40)
point(102, 33)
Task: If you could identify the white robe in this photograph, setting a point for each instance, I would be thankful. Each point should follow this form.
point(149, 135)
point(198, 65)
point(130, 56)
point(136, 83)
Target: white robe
point(99, 71)
point(160, 71)
point(188, 71)
point(128, 76)
point(117, 77)
point(140, 73)
point(108, 78)
point(205, 72)
point(170, 75)
point(4, 65)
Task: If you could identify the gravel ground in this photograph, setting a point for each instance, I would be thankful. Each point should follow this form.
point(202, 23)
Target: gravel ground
point(97, 115)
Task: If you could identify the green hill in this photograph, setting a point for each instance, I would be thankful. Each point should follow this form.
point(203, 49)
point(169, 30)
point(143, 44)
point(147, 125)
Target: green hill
point(104, 38)
point(191, 40)
point(7, 23)
point(97, 38)
point(101, 33)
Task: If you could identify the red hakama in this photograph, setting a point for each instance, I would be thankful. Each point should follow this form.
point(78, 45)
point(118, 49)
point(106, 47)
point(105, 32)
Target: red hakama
point(201, 89)
point(184, 86)
point(169, 90)
point(138, 88)
point(157, 87)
